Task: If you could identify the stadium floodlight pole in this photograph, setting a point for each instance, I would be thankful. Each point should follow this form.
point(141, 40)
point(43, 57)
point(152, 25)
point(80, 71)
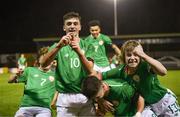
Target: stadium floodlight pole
point(115, 18)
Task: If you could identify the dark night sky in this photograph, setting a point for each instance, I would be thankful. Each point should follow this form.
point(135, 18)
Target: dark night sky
point(23, 20)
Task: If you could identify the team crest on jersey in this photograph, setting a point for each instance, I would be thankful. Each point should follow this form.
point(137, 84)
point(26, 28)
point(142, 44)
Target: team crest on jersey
point(36, 75)
point(101, 42)
point(115, 102)
point(51, 78)
point(136, 78)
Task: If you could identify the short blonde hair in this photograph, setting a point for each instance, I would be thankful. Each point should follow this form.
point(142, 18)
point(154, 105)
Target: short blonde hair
point(128, 46)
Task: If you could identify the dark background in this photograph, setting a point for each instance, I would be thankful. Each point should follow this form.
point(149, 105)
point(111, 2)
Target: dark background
point(23, 20)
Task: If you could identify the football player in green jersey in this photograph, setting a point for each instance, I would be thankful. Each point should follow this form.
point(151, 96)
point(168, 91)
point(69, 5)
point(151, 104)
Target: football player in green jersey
point(125, 100)
point(97, 45)
point(141, 70)
point(72, 67)
point(38, 91)
point(22, 62)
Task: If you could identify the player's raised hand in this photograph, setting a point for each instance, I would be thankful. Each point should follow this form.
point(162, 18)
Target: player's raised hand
point(138, 51)
point(65, 40)
point(75, 43)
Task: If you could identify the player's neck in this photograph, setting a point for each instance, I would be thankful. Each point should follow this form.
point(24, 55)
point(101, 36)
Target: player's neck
point(44, 69)
point(130, 70)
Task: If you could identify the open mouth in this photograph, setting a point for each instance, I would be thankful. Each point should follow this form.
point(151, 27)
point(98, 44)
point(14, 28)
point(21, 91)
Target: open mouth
point(132, 61)
point(72, 30)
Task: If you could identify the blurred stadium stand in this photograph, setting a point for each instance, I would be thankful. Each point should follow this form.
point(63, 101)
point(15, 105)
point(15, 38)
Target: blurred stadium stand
point(164, 47)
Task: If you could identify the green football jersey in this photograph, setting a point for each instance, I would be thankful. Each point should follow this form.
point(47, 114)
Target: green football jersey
point(39, 87)
point(69, 71)
point(121, 94)
point(96, 47)
point(144, 80)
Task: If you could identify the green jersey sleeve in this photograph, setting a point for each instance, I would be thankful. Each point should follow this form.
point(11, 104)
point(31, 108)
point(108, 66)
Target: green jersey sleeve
point(106, 39)
point(113, 73)
point(52, 47)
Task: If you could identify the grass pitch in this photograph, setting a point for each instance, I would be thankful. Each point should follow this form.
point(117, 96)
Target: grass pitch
point(10, 94)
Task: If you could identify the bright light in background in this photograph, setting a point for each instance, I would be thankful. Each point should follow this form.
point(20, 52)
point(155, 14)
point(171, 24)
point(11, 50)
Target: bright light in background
point(115, 16)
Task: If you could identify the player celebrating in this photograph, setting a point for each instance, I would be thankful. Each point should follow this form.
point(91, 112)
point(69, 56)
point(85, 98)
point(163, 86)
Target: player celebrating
point(72, 68)
point(141, 70)
point(97, 43)
point(122, 95)
point(38, 92)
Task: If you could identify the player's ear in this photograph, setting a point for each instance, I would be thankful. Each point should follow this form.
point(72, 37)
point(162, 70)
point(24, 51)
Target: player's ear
point(64, 29)
point(80, 27)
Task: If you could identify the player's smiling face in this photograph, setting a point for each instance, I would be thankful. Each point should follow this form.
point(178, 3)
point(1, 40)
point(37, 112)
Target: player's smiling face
point(95, 30)
point(131, 59)
point(72, 25)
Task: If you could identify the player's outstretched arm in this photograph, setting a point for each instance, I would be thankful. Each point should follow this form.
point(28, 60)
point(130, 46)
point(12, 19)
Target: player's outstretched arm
point(157, 67)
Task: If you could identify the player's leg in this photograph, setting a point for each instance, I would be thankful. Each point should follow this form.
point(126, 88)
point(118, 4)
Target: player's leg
point(70, 104)
point(147, 112)
point(24, 112)
point(67, 111)
point(43, 112)
point(167, 106)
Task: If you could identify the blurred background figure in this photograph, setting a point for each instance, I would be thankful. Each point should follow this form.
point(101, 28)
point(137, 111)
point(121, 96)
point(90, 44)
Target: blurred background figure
point(22, 62)
point(97, 46)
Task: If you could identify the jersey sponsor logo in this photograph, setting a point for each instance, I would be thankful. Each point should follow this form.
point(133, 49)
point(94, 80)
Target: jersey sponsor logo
point(136, 78)
point(101, 42)
point(51, 78)
point(36, 75)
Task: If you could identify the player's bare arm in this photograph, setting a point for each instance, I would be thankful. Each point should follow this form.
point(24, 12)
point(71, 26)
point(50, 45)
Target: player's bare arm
point(140, 106)
point(88, 64)
point(116, 49)
point(157, 67)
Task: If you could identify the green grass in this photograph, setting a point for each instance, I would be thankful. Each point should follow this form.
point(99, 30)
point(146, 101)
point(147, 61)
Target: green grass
point(172, 81)
point(10, 94)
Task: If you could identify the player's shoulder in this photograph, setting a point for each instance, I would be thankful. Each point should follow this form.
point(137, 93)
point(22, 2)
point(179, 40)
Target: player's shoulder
point(104, 35)
point(30, 68)
point(88, 38)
